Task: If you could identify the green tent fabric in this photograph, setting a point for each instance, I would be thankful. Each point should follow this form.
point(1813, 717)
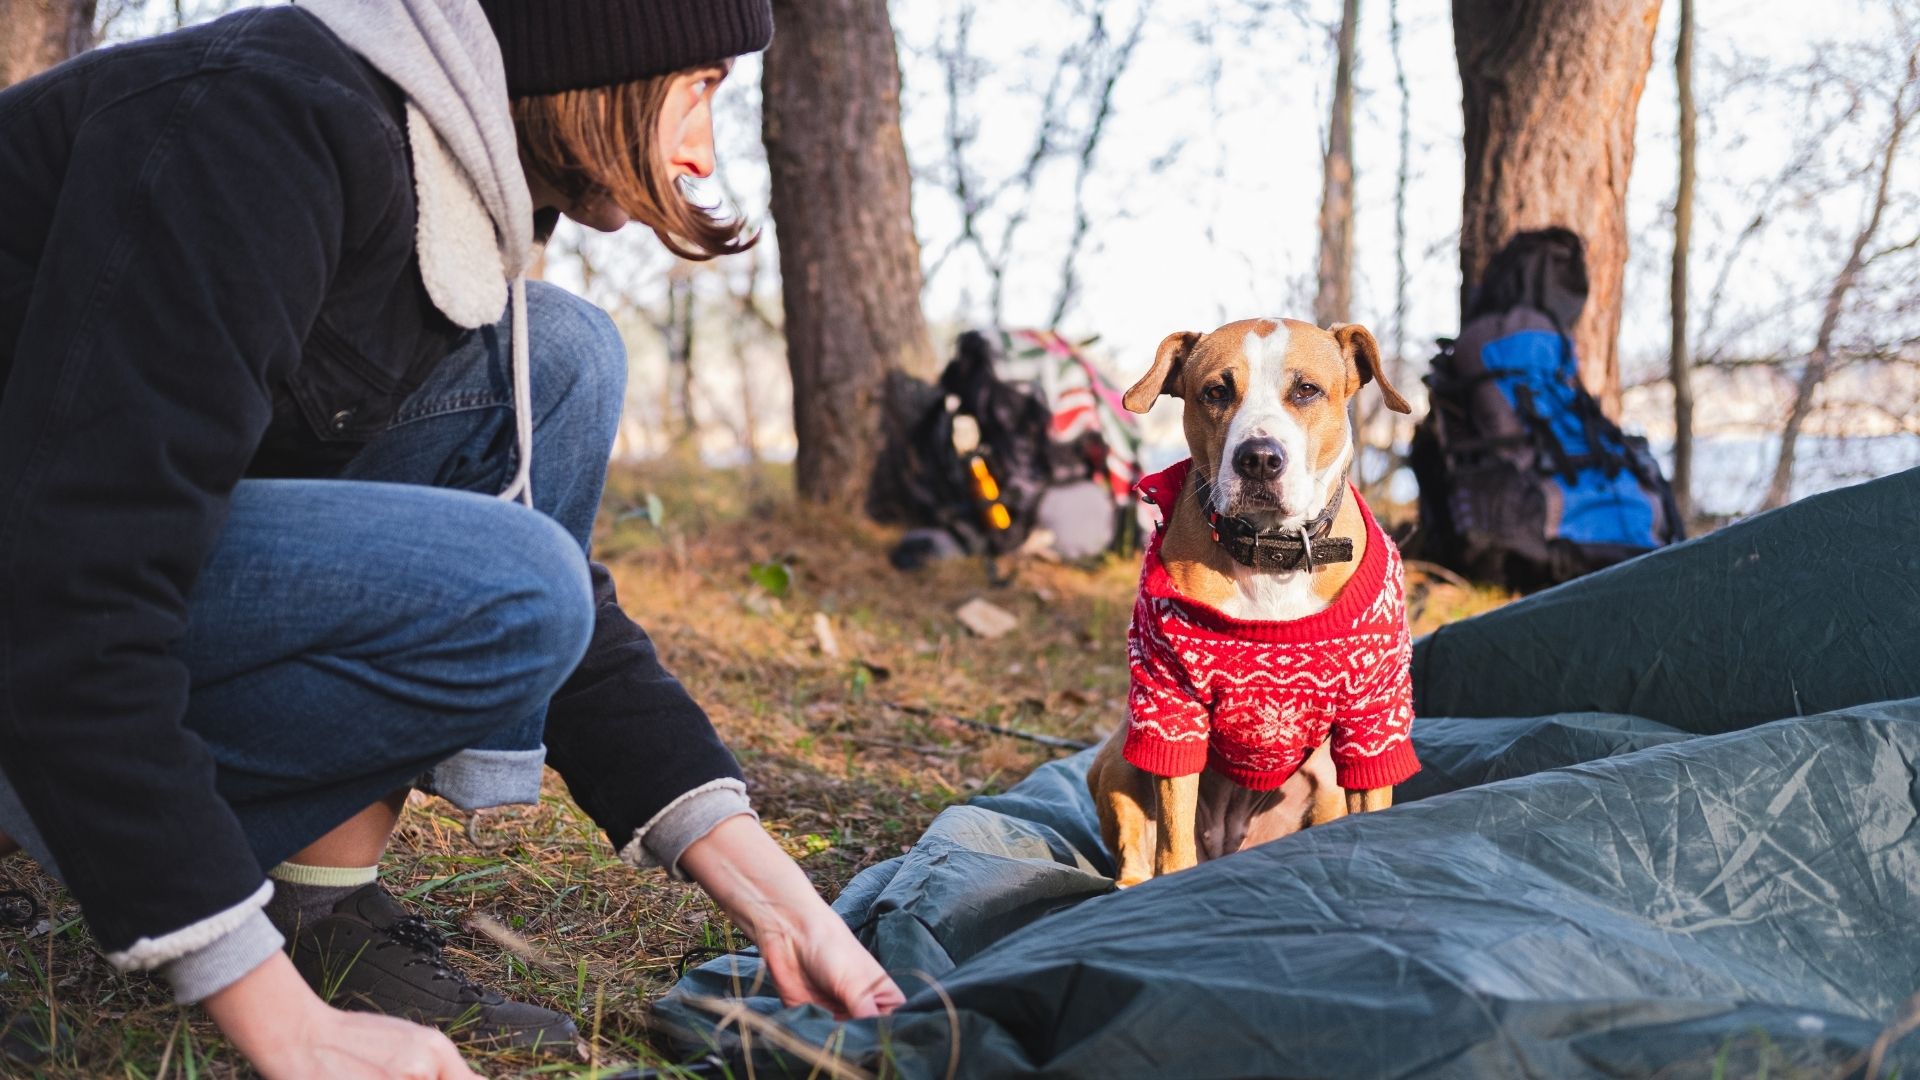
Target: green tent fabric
point(1568, 895)
point(1812, 607)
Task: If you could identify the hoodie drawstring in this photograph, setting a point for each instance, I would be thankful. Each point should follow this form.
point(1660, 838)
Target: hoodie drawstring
point(521, 487)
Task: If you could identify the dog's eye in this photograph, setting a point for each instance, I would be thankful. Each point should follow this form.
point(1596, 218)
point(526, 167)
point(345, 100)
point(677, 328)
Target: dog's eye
point(1305, 392)
point(1217, 394)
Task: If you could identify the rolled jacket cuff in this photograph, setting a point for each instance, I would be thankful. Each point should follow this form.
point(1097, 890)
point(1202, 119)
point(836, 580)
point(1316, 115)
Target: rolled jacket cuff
point(154, 952)
point(212, 968)
point(662, 840)
point(477, 779)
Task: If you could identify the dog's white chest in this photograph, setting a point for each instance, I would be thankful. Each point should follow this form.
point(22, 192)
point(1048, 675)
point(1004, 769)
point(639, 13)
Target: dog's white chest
point(1273, 597)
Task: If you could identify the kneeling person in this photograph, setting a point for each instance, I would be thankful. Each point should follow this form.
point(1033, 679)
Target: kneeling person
point(269, 364)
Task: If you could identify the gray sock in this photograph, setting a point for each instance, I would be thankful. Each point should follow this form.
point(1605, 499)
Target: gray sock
point(303, 895)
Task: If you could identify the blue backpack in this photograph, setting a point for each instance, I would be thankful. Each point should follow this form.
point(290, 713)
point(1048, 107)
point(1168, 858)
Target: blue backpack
point(1523, 481)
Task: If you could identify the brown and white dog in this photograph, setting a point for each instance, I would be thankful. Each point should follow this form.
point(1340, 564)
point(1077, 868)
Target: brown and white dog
point(1266, 421)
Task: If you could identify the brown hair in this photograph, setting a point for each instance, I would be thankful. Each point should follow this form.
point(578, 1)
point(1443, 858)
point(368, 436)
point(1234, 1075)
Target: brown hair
point(601, 141)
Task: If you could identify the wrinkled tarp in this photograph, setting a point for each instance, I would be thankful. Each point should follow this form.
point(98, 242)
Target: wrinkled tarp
point(1577, 894)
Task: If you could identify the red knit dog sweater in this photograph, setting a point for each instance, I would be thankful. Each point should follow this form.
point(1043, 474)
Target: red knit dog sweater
point(1252, 699)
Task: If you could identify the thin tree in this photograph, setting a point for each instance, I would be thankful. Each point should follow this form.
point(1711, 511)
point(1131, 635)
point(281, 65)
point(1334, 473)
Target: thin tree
point(1823, 361)
point(37, 34)
point(849, 261)
point(1550, 89)
point(677, 329)
point(1333, 303)
point(1402, 177)
point(1680, 359)
point(1372, 481)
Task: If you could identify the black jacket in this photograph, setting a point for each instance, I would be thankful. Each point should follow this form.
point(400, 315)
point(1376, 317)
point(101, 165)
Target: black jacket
point(207, 272)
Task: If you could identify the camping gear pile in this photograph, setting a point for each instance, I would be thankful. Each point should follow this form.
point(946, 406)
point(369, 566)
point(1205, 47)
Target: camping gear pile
point(1021, 443)
point(1668, 824)
point(1523, 481)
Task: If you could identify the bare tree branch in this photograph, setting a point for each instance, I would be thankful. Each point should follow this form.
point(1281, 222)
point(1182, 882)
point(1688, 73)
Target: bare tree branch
point(1090, 145)
point(1076, 113)
point(1821, 363)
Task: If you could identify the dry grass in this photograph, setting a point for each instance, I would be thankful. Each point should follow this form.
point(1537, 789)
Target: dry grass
point(533, 897)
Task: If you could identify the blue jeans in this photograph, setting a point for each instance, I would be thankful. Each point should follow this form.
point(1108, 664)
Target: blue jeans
point(348, 636)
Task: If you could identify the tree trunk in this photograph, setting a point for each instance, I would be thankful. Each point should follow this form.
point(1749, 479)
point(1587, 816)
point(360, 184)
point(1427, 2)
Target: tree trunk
point(37, 34)
point(749, 323)
point(1393, 354)
point(849, 261)
point(678, 331)
point(1549, 89)
point(1680, 359)
point(1334, 302)
point(749, 429)
point(1401, 179)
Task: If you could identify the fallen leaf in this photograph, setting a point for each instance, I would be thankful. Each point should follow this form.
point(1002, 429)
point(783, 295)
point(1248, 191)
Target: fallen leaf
point(774, 577)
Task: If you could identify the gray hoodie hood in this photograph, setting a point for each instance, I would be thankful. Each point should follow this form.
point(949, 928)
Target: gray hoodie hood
point(475, 231)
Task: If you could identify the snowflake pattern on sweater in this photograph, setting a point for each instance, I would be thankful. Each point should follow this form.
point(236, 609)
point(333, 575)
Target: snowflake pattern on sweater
point(1251, 699)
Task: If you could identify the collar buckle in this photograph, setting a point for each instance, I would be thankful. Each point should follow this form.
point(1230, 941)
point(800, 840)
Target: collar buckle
point(1273, 549)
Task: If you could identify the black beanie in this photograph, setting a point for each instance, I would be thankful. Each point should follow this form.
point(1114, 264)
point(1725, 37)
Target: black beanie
point(555, 45)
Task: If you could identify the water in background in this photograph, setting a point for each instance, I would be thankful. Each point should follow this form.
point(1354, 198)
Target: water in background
point(1730, 473)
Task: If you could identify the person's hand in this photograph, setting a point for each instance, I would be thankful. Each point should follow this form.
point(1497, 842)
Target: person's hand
point(813, 958)
point(824, 964)
point(272, 1017)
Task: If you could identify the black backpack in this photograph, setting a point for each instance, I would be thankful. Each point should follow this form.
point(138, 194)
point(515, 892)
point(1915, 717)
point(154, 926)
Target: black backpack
point(922, 480)
point(1523, 481)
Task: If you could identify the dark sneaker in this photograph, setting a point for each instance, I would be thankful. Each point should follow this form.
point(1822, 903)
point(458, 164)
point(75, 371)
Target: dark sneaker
point(373, 956)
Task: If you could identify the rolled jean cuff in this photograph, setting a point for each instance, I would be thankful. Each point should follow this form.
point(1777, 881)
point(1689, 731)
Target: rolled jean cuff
point(212, 968)
point(661, 841)
point(477, 779)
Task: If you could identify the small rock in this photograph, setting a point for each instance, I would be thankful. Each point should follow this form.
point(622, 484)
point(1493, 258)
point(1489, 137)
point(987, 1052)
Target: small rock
point(823, 635)
point(986, 619)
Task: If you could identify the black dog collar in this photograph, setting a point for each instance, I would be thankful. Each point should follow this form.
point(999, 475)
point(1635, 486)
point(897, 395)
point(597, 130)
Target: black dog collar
point(1305, 546)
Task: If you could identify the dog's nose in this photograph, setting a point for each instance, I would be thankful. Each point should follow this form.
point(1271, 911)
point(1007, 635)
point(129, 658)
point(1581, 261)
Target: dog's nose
point(1260, 460)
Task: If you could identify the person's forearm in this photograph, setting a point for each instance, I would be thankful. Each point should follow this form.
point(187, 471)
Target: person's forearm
point(752, 878)
point(266, 1007)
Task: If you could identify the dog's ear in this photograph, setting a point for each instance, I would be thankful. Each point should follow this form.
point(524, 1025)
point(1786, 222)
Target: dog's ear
point(1358, 346)
point(1173, 351)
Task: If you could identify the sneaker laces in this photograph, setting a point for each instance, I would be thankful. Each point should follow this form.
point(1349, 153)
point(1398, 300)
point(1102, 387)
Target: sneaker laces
point(19, 909)
point(429, 947)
